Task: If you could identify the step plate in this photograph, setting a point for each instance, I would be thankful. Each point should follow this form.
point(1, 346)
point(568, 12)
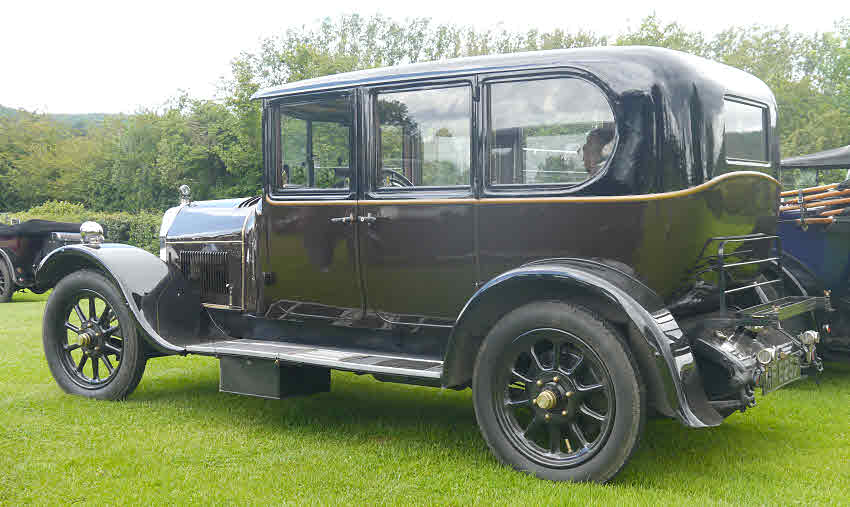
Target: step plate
point(339, 359)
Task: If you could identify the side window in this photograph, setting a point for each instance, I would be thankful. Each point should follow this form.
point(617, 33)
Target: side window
point(548, 131)
point(746, 135)
point(315, 147)
point(423, 138)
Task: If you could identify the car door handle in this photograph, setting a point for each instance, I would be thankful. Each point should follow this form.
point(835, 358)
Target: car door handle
point(343, 220)
point(368, 219)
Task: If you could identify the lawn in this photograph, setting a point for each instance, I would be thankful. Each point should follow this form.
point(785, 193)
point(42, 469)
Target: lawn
point(176, 440)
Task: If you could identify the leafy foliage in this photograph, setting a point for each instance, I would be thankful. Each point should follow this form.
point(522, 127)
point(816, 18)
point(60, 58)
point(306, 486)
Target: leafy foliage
point(130, 163)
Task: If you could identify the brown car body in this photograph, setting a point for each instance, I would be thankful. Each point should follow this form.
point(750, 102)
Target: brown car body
point(404, 282)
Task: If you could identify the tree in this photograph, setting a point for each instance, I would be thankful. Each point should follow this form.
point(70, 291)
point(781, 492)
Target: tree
point(136, 162)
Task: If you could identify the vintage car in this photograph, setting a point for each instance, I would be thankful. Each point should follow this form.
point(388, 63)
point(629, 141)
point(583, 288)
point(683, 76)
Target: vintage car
point(583, 237)
point(814, 226)
point(24, 245)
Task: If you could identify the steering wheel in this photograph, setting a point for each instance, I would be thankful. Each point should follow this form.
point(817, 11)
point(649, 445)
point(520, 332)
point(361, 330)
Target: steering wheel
point(396, 178)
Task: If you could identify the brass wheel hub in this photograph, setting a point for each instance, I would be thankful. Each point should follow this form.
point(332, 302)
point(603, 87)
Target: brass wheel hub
point(89, 335)
point(546, 400)
point(555, 395)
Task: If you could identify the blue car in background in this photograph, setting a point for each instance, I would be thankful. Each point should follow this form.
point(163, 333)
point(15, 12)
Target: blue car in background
point(814, 226)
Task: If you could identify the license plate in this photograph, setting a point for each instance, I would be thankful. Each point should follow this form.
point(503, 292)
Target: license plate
point(781, 372)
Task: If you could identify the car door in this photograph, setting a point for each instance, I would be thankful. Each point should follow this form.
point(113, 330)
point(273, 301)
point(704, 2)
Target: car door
point(548, 137)
point(309, 256)
point(417, 238)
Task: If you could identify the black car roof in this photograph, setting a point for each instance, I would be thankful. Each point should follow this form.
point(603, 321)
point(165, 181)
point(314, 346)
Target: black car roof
point(36, 227)
point(669, 104)
point(836, 158)
point(622, 68)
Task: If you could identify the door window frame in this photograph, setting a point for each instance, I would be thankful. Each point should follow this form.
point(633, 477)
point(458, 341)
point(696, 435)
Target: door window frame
point(539, 189)
point(272, 123)
point(372, 148)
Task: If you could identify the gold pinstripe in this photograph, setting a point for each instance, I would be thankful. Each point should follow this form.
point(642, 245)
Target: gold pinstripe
point(509, 200)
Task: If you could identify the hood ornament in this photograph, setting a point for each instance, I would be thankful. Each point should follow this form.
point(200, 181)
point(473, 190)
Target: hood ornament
point(185, 195)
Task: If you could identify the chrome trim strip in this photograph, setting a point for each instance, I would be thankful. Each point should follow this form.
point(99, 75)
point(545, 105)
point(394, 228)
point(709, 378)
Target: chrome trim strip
point(215, 306)
point(244, 288)
point(206, 242)
point(305, 354)
point(748, 163)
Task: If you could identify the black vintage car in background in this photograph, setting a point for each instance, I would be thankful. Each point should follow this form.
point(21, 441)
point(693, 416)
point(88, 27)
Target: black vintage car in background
point(24, 245)
point(583, 237)
point(814, 225)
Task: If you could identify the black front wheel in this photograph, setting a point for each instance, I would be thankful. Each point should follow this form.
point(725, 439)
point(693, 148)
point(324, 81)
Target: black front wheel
point(90, 339)
point(557, 395)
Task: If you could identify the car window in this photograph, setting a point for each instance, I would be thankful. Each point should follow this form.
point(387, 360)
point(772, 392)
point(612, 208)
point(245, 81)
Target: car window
point(745, 137)
point(315, 147)
point(548, 131)
point(423, 138)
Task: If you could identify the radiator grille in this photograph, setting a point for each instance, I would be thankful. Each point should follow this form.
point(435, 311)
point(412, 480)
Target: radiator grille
point(206, 269)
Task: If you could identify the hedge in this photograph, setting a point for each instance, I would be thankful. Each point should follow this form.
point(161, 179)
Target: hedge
point(137, 229)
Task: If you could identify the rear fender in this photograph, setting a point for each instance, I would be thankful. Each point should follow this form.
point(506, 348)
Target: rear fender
point(659, 346)
point(158, 295)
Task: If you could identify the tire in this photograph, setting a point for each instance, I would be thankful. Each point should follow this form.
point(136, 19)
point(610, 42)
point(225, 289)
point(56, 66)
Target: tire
point(7, 283)
point(590, 429)
point(80, 337)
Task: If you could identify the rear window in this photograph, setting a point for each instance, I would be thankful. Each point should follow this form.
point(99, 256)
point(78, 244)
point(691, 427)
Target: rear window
point(746, 132)
point(557, 131)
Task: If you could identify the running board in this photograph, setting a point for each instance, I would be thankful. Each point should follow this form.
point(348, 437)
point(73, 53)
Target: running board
point(335, 358)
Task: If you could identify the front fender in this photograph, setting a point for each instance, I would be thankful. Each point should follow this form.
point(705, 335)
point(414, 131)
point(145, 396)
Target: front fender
point(660, 347)
point(158, 295)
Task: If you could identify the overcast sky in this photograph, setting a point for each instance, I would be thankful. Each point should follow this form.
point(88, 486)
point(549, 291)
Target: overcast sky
point(118, 56)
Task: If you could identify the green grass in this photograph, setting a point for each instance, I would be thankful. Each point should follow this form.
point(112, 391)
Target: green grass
point(176, 440)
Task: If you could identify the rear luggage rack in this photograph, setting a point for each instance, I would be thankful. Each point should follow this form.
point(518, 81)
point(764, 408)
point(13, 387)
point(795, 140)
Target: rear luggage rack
point(784, 308)
point(750, 240)
point(754, 250)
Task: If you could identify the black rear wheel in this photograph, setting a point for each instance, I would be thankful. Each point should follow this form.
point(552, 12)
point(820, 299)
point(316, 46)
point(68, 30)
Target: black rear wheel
point(90, 339)
point(557, 395)
point(7, 283)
